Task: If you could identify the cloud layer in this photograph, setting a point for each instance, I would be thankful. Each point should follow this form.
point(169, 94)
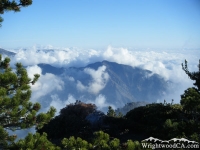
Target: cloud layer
point(166, 63)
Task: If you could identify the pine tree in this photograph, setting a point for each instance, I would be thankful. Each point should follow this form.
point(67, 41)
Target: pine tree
point(34, 142)
point(193, 75)
point(76, 143)
point(190, 100)
point(111, 112)
point(14, 5)
point(16, 110)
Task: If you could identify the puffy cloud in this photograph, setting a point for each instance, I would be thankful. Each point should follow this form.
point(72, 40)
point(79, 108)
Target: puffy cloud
point(101, 103)
point(166, 63)
point(121, 56)
point(31, 70)
point(46, 83)
point(58, 57)
point(81, 87)
point(59, 104)
point(99, 80)
point(162, 62)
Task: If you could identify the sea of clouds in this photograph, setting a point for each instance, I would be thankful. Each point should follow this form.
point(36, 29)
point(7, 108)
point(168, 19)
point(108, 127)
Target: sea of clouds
point(166, 63)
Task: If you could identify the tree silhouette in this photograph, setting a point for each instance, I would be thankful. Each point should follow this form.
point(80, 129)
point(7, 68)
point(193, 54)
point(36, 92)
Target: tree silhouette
point(71, 122)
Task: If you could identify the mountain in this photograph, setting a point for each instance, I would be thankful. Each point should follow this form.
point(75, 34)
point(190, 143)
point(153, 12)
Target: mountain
point(104, 83)
point(7, 53)
point(50, 69)
point(124, 84)
point(132, 84)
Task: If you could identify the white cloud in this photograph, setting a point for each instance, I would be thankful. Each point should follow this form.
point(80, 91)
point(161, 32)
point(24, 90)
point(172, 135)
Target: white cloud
point(59, 104)
point(101, 103)
point(166, 63)
point(99, 80)
point(121, 56)
point(71, 99)
point(46, 83)
point(33, 70)
point(58, 57)
point(80, 86)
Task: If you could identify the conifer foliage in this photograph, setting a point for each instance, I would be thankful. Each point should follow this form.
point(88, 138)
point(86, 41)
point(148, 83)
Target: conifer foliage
point(8, 5)
point(193, 75)
point(16, 110)
point(34, 142)
point(191, 97)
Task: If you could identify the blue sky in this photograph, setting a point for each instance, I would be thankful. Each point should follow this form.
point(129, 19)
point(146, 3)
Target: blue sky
point(99, 23)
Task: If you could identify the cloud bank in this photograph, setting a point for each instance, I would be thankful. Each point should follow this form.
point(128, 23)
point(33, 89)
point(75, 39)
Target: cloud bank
point(166, 63)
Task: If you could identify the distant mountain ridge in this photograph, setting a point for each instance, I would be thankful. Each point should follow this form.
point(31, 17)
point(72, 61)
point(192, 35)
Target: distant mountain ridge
point(7, 53)
point(135, 84)
point(125, 84)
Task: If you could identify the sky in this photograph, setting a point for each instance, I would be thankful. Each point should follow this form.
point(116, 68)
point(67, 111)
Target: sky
point(169, 24)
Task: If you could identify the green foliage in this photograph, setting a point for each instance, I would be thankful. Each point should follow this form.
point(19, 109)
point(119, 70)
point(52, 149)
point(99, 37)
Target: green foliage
point(5, 139)
point(76, 144)
point(172, 128)
point(132, 145)
point(101, 141)
point(16, 111)
point(111, 112)
point(34, 141)
point(190, 100)
point(115, 144)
